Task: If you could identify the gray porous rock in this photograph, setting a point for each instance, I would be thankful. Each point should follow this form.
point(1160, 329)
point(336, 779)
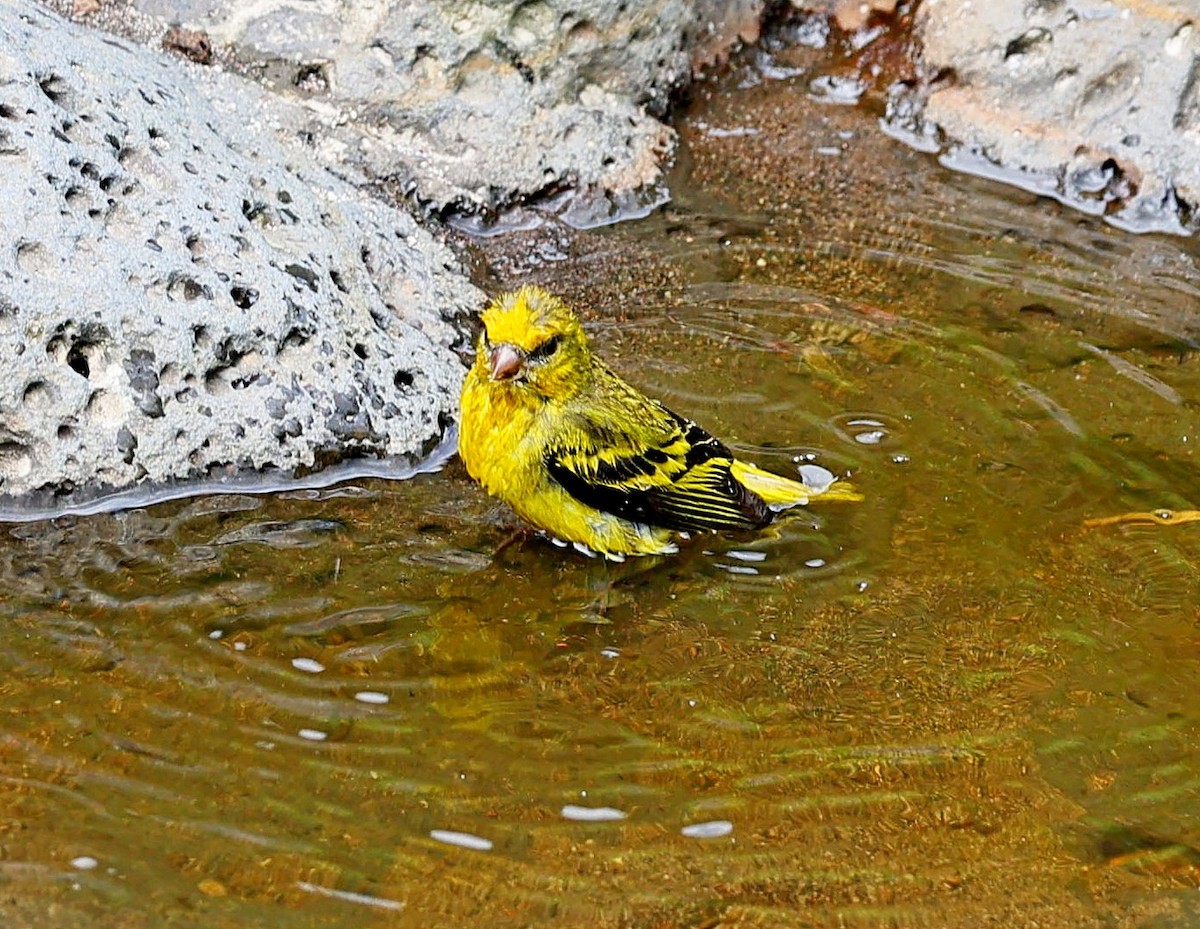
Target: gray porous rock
point(481, 105)
point(1093, 102)
point(180, 296)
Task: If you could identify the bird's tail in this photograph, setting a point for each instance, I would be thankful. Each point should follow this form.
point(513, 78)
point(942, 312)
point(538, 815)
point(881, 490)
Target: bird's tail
point(782, 492)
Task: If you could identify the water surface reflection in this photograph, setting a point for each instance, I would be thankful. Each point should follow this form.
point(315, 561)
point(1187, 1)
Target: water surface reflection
point(956, 701)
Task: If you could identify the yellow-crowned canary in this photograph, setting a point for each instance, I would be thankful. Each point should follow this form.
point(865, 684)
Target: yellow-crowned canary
point(549, 429)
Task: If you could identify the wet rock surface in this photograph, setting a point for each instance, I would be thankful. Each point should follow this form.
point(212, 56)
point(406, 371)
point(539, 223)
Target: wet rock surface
point(1094, 102)
point(476, 107)
point(179, 295)
point(198, 281)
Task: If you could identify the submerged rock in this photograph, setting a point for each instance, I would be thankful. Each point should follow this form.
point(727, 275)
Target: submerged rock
point(180, 294)
point(1092, 102)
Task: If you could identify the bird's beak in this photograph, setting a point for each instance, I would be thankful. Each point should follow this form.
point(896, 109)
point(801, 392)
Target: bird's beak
point(506, 361)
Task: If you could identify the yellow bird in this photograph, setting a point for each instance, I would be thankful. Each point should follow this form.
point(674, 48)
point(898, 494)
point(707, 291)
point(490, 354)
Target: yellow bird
point(549, 429)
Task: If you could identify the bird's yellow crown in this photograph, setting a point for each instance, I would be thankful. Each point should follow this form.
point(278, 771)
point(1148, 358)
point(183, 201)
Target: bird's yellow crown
point(529, 317)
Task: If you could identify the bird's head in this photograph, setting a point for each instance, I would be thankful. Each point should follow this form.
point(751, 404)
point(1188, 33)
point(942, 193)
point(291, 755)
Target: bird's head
point(533, 341)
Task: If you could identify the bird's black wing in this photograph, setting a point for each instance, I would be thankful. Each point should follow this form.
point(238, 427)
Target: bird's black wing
point(632, 457)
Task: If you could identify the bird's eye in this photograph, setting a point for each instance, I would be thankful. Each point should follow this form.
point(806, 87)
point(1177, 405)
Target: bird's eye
point(546, 349)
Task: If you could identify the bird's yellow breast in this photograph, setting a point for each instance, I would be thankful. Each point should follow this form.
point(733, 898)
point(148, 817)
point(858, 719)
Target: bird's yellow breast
point(502, 441)
point(495, 433)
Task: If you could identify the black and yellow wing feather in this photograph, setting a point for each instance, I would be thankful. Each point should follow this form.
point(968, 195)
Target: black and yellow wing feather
point(632, 457)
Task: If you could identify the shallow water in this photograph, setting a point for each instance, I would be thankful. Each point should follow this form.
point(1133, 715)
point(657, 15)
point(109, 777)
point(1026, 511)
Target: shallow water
point(956, 702)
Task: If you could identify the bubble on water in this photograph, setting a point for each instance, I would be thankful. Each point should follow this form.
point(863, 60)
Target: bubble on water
point(84, 863)
point(610, 652)
point(372, 696)
point(815, 563)
point(475, 843)
point(900, 458)
point(737, 568)
point(308, 664)
point(864, 428)
point(867, 431)
point(714, 829)
point(817, 477)
point(313, 735)
point(592, 814)
point(746, 556)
